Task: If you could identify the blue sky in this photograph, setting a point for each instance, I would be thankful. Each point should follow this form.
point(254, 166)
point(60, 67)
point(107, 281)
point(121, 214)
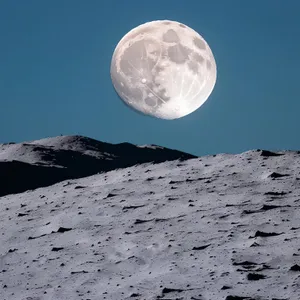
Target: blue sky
point(54, 73)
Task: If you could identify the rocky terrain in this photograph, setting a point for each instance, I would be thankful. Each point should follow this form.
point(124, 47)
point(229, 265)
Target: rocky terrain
point(222, 227)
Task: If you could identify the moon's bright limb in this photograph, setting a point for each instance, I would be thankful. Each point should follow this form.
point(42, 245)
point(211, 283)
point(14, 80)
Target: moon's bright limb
point(164, 69)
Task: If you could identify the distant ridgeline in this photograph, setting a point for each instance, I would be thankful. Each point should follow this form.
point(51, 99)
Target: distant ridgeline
point(41, 163)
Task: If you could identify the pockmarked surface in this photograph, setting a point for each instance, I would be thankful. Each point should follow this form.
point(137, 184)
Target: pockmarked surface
point(215, 227)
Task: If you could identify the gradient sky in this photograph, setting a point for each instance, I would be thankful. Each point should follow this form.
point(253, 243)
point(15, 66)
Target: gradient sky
point(55, 60)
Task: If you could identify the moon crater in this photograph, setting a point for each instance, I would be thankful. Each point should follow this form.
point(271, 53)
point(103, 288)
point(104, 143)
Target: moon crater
point(199, 43)
point(193, 66)
point(198, 58)
point(178, 53)
point(171, 36)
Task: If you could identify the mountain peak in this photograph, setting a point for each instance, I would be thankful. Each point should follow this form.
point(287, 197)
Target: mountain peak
point(70, 142)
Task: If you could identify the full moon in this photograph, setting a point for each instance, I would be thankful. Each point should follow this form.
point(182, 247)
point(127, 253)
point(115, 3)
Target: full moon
point(164, 69)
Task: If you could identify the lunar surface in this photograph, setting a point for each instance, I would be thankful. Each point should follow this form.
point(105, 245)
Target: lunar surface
point(221, 227)
point(164, 69)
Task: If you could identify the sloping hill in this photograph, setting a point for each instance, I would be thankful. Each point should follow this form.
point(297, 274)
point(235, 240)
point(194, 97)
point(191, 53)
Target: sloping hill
point(44, 162)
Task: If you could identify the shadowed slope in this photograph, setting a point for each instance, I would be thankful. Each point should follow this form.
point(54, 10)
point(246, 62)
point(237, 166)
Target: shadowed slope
point(41, 163)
